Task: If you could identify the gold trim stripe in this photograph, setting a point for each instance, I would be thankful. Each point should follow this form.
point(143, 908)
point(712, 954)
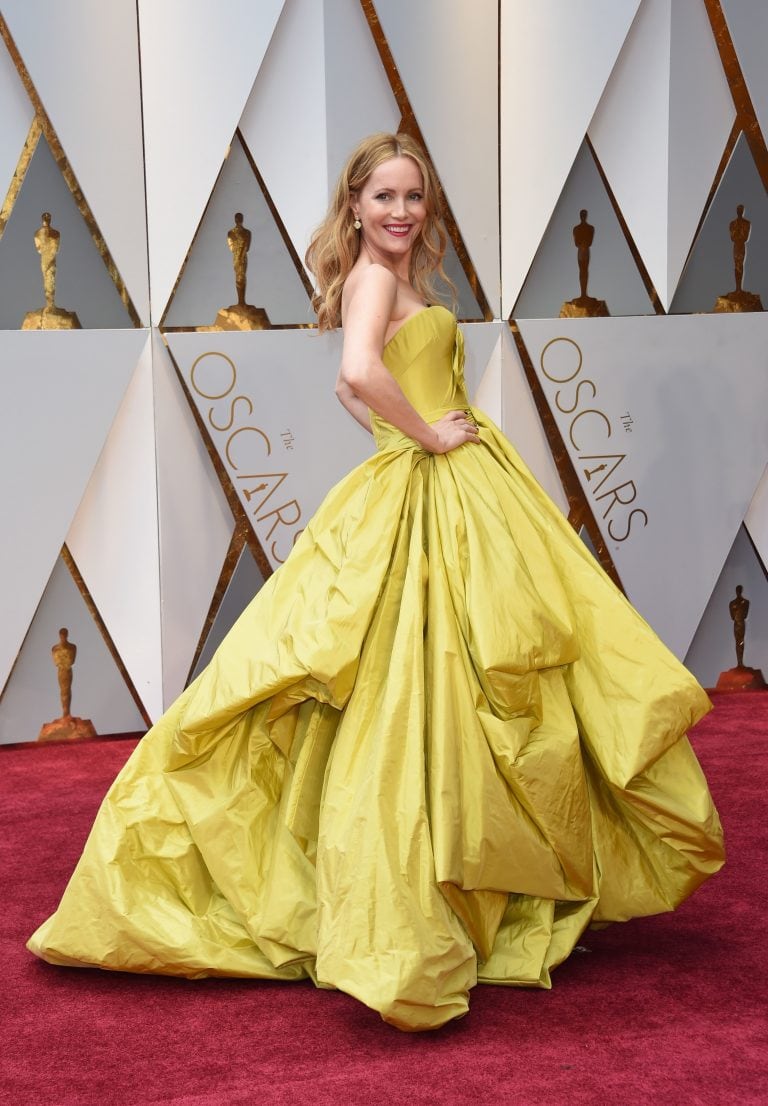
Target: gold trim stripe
point(645, 276)
point(409, 126)
point(278, 221)
point(745, 110)
point(579, 511)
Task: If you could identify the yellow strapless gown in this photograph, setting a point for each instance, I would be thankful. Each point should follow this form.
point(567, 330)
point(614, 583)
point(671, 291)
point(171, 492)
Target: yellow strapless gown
point(437, 745)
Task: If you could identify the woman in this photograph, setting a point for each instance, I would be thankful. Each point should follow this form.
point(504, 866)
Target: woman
point(420, 758)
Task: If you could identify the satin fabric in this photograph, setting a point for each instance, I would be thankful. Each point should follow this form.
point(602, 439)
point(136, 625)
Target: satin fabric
point(435, 747)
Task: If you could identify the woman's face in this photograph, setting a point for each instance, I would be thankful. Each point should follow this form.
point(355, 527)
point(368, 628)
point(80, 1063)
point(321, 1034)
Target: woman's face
point(391, 207)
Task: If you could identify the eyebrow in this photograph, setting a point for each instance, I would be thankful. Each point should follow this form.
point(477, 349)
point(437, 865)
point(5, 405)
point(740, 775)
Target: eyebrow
point(392, 188)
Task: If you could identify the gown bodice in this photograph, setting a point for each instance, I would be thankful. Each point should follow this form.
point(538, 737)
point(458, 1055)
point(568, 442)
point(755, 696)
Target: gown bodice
point(426, 358)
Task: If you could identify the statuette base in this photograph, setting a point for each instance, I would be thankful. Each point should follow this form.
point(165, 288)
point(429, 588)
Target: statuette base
point(51, 318)
point(241, 316)
point(584, 307)
point(741, 679)
point(738, 301)
point(68, 729)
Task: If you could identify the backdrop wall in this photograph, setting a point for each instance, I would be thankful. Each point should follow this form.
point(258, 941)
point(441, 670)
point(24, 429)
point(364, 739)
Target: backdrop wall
point(155, 470)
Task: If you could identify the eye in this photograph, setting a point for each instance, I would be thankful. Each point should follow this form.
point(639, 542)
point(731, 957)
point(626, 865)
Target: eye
point(416, 196)
point(382, 196)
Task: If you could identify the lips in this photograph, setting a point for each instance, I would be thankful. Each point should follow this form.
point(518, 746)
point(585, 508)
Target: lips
point(398, 230)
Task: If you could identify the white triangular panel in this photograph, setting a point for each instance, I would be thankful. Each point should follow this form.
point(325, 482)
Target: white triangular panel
point(488, 393)
point(284, 120)
point(480, 344)
point(267, 399)
point(83, 60)
point(446, 52)
point(554, 66)
point(61, 394)
point(522, 425)
point(113, 537)
point(630, 133)
point(196, 524)
point(17, 113)
point(352, 62)
point(648, 133)
point(668, 451)
point(748, 23)
point(756, 519)
point(198, 65)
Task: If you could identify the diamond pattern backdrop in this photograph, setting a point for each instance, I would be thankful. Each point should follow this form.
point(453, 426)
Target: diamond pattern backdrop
point(155, 471)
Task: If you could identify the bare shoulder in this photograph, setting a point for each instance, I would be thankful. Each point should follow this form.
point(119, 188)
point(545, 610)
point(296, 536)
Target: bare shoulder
point(368, 303)
point(372, 286)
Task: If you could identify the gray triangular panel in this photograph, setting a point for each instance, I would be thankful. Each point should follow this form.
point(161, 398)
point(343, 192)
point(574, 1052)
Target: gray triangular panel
point(208, 281)
point(584, 535)
point(246, 581)
point(712, 650)
point(709, 272)
point(554, 275)
point(83, 284)
point(99, 692)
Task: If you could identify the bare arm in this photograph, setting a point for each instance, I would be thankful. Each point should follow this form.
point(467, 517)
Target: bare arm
point(364, 377)
point(356, 407)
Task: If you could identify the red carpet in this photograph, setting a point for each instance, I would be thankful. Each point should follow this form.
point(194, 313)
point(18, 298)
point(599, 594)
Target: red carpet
point(665, 1010)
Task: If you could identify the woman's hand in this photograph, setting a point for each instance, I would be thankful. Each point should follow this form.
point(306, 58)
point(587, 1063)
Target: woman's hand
point(453, 430)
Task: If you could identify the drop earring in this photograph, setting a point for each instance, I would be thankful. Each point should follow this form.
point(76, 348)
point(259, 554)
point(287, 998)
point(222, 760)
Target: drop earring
point(357, 224)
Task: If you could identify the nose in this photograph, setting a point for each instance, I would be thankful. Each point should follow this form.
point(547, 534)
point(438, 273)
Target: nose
point(399, 207)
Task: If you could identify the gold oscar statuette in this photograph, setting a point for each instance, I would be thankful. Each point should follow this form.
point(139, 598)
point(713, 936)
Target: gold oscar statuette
point(740, 678)
point(240, 315)
point(739, 300)
point(50, 317)
point(66, 728)
point(584, 306)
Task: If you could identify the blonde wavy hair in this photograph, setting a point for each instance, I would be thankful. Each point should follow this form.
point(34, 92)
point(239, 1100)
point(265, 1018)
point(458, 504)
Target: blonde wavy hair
point(335, 245)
